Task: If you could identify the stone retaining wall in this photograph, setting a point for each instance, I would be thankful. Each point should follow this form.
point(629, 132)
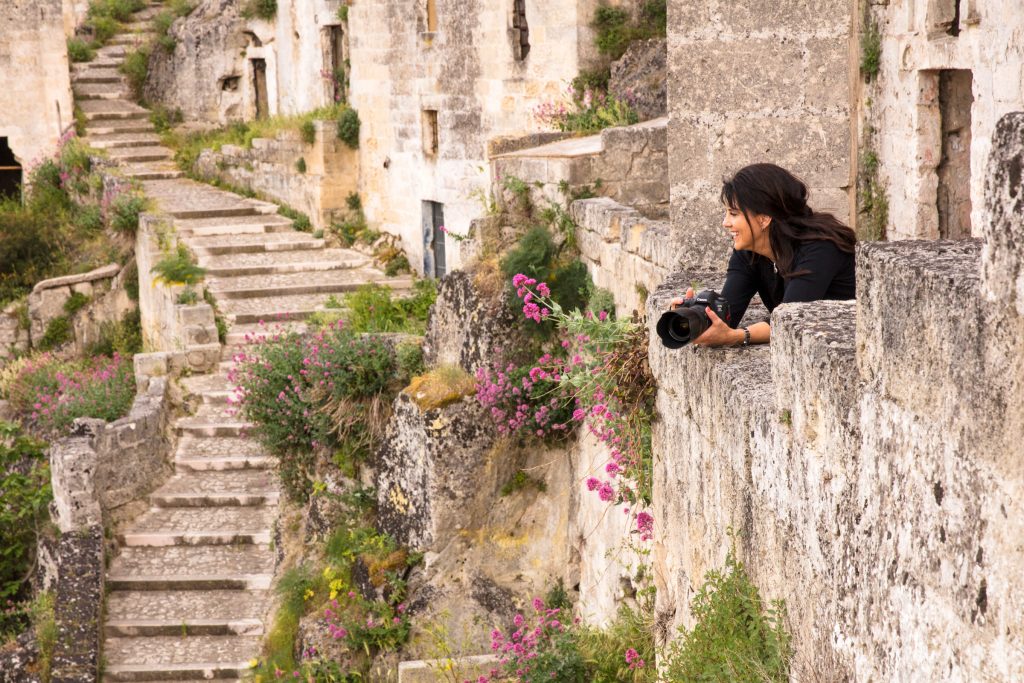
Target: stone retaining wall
point(868, 459)
point(186, 329)
point(270, 168)
point(96, 474)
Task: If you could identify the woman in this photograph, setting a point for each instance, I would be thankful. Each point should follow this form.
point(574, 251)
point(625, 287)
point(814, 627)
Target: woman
point(782, 249)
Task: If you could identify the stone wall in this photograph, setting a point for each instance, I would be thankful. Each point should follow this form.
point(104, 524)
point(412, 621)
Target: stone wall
point(628, 164)
point(108, 302)
point(759, 81)
point(864, 459)
point(167, 325)
point(34, 64)
point(271, 169)
point(96, 474)
point(466, 71)
point(904, 110)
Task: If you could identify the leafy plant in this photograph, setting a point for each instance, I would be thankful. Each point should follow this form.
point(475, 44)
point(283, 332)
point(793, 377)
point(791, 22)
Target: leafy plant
point(521, 481)
point(307, 131)
point(300, 165)
point(615, 28)
point(300, 221)
point(735, 638)
point(26, 493)
point(124, 213)
point(260, 9)
point(372, 308)
point(57, 333)
point(75, 303)
point(870, 49)
point(348, 127)
point(179, 268)
point(123, 337)
point(163, 119)
point(136, 70)
point(80, 51)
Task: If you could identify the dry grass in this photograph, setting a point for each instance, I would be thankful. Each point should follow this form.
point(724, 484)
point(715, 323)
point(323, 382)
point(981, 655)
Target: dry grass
point(440, 387)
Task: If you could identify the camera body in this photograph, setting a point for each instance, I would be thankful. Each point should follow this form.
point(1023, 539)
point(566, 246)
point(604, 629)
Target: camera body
point(684, 323)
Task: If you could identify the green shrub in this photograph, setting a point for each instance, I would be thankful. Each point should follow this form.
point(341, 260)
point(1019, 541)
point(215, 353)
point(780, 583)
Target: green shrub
point(398, 265)
point(89, 219)
point(188, 297)
point(603, 648)
point(300, 165)
point(305, 393)
point(26, 494)
point(123, 337)
point(179, 268)
point(163, 119)
point(30, 247)
point(80, 51)
point(118, 10)
point(348, 127)
point(734, 638)
point(124, 213)
point(870, 49)
point(612, 26)
point(75, 303)
point(409, 361)
point(372, 308)
point(103, 29)
point(260, 9)
point(136, 70)
point(58, 332)
point(308, 132)
point(300, 221)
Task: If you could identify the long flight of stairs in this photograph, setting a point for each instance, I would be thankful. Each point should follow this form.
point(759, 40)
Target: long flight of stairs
point(189, 592)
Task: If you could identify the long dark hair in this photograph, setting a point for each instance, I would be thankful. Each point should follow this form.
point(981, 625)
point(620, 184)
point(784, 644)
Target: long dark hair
point(773, 191)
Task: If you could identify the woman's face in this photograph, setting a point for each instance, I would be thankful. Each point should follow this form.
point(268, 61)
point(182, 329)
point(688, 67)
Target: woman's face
point(744, 236)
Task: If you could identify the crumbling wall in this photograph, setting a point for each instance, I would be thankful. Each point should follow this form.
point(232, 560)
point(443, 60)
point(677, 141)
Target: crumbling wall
point(904, 113)
point(329, 171)
point(34, 64)
point(866, 459)
point(750, 82)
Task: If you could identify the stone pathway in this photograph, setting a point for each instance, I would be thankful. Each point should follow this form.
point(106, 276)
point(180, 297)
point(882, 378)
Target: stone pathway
point(189, 593)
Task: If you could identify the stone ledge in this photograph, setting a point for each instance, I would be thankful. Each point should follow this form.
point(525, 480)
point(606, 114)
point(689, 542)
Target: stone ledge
point(102, 273)
point(1002, 260)
point(431, 670)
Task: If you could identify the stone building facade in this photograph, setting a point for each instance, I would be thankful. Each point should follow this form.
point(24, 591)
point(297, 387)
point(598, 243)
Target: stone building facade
point(948, 71)
point(36, 107)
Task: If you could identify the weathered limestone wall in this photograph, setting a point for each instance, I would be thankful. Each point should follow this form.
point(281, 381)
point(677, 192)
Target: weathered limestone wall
point(905, 113)
point(629, 163)
point(34, 64)
point(465, 71)
point(270, 168)
point(756, 81)
point(166, 324)
point(867, 459)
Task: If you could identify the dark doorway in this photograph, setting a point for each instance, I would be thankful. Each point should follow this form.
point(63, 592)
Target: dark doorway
point(338, 64)
point(259, 83)
point(10, 172)
point(954, 170)
point(433, 239)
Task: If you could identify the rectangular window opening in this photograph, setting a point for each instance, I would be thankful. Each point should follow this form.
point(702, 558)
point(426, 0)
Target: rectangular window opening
point(431, 16)
point(434, 261)
point(259, 84)
point(431, 135)
point(10, 172)
point(337, 67)
point(520, 30)
point(954, 170)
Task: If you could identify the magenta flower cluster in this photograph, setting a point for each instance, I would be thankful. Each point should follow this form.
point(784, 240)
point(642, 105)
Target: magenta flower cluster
point(524, 401)
point(531, 309)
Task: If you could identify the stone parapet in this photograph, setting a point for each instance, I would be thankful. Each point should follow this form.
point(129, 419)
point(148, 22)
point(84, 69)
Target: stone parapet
point(188, 330)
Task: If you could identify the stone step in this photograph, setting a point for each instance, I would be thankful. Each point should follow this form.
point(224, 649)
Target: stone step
point(140, 154)
point(239, 336)
point(276, 242)
point(98, 63)
point(212, 567)
point(273, 309)
point(119, 127)
point(122, 140)
point(132, 39)
point(111, 110)
point(214, 212)
point(232, 270)
point(191, 447)
point(322, 282)
point(127, 628)
point(199, 427)
point(160, 527)
point(166, 657)
point(111, 52)
point(97, 75)
point(202, 385)
point(154, 170)
point(256, 225)
point(100, 91)
point(210, 489)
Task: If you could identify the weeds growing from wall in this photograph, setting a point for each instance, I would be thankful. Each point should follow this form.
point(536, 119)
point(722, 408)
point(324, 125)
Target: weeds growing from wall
point(870, 47)
point(615, 27)
point(260, 9)
point(872, 201)
point(735, 637)
point(348, 127)
point(179, 268)
point(80, 50)
point(136, 70)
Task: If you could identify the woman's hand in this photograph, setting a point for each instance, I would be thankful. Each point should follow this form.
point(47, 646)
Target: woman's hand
point(678, 301)
point(719, 334)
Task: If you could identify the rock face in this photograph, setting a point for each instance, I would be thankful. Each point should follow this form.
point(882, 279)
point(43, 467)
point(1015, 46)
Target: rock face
point(466, 327)
point(203, 75)
point(640, 77)
point(869, 459)
point(432, 468)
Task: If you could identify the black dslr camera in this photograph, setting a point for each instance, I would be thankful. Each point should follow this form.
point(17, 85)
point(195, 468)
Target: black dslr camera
point(686, 322)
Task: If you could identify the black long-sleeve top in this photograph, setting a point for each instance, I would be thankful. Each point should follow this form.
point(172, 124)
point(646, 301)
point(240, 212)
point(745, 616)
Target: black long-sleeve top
point(830, 275)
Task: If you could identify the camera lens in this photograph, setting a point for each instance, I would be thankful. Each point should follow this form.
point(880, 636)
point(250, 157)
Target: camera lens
point(679, 329)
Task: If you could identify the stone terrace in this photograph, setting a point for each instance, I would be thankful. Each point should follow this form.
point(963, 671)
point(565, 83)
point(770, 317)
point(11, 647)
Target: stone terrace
point(188, 595)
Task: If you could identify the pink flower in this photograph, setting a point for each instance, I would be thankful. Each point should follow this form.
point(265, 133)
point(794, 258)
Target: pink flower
point(543, 289)
point(606, 492)
point(593, 483)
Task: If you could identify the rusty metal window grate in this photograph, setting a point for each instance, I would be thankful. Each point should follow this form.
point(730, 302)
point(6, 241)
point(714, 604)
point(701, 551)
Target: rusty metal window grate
point(520, 30)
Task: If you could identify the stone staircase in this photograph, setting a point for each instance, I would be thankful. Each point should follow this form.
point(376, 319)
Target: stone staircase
point(189, 592)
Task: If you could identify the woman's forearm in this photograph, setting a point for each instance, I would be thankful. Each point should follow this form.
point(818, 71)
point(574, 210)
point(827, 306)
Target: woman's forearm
point(760, 333)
